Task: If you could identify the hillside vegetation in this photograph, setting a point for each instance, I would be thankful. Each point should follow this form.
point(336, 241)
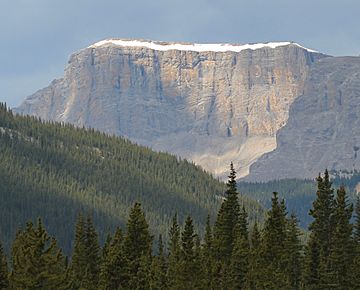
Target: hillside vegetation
point(56, 171)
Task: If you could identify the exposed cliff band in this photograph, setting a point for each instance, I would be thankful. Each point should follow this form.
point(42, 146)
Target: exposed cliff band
point(211, 103)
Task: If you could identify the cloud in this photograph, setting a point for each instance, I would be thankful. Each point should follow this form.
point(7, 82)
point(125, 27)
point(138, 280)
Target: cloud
point(37, 36)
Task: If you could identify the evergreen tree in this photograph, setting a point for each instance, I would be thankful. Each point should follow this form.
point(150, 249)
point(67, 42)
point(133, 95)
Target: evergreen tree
point(357, 221)
point(254, 274)
point(355, 269)
point(342, 250)
point(37, 262)
point(207, 257)
point(92, 256)
point(159, 268)
point(79, 258)
point(113, 268)
point(106, 247)
point(188, 267)
point(311, 276)
point(273, 245)
point(321, 234)
point(137, 248)
point(227, 219)
point(239, 263)
point(86, 256)
point(173, 254)
point(4, 274)
point(292, 256)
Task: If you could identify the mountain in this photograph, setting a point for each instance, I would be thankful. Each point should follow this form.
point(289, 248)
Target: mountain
point(210, 103)
point(323, 130)
point(56, 171)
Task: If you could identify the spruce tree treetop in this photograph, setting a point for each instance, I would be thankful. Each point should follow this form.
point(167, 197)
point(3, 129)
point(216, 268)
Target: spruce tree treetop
point(227, 220)
point(138, 239)
point(231, 183)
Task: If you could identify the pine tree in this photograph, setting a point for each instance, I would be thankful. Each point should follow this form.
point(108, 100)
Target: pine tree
point(207, 261)
point(79, 258)
point(173, 254)
point(357, 221)
point(37, 261)
point(292, 256)
point(113, 267)
point(4, 274)
point(137, 248)
point(224, 229)
point(106, 247)
point(188, 267)
point(92, 256)
point(311, 276)
point(355, 268)
point(159, 268)
point(254, 274)
point(273, 245)
point(342, 250)
point(321, 234)
point(239, 263)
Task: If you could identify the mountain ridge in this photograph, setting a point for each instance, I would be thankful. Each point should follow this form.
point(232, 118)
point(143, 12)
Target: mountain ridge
point(209, 107)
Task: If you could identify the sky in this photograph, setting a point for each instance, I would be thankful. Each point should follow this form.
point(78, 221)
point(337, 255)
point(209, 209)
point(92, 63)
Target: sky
point(38, 36)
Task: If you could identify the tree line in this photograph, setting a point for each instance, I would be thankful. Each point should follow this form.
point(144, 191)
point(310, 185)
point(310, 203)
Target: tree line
point(230, 255)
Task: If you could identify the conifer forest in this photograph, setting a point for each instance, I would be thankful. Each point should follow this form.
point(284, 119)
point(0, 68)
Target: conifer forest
point(83, 210)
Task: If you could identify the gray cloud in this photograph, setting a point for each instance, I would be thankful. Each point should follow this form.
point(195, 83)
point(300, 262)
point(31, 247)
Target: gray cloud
point(37, 36)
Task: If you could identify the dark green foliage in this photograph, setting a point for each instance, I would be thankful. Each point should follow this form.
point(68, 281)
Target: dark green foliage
point(255, 270)
point(159, 269)
point(293, 254)
point(113, 267)
point(86, 257)
point(298, 193)
point(226, 221)
point(92, 250)
point(342, 246)
point(311, 276)
point(270, 259)
point(355, 268)
point(207, 257)
point(174, 253)
point(4, 274)
point(321, 234)
point(79, 259)
point(357, 222)
point(37, 262)
point(56, 171)
point(239, 262)
point(273, 246)
point(137, 249)
point(189, 268)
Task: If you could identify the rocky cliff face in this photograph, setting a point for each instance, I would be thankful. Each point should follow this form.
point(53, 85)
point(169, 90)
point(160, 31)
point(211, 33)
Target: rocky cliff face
point(210, 103)
point(323, 130)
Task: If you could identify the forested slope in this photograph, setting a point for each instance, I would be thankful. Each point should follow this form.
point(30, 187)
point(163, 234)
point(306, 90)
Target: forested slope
point(299, 194)
point(55, 171)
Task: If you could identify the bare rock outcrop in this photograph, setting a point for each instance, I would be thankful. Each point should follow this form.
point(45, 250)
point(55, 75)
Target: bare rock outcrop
point(209, 103)
point(323, 130)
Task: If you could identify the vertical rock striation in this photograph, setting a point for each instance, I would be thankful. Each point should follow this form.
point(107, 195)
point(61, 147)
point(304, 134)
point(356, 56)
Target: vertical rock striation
point(323, 130)
point(210, 103)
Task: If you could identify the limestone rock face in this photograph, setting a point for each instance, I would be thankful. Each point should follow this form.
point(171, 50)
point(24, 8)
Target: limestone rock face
point(323, 130)
point(209, 105)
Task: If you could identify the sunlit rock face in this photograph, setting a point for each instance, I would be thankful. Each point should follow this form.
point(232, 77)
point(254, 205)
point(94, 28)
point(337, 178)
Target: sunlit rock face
point(323, 129)
point(211, 103)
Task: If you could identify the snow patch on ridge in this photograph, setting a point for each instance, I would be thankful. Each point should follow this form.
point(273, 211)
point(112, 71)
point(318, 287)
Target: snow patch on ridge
point(198, 47)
